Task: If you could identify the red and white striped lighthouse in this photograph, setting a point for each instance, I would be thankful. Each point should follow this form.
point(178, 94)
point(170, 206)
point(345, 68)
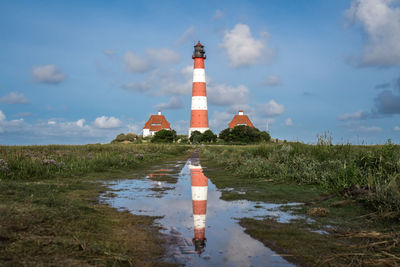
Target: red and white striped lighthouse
point(199, 113)
point(199, 184)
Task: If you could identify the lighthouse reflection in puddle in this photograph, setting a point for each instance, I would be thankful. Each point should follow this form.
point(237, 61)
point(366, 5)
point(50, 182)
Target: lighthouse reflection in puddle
point(199, 184)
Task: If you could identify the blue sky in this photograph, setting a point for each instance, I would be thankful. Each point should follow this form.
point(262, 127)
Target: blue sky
point(75, 72)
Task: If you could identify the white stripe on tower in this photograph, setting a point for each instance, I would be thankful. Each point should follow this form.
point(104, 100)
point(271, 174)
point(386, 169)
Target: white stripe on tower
point(199, 75)
point(199, 111)
point(199, 102)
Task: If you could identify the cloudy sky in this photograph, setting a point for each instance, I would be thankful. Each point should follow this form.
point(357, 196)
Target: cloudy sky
point(78, 72)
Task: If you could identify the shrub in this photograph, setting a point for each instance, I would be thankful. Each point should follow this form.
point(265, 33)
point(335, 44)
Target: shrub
point(131, 137)
point(244, 134)
point(195, 137)
point(164, 136)
point(206, 137)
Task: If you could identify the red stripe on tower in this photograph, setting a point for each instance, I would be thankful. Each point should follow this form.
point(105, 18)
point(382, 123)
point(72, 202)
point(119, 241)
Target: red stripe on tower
point(199, 113)
point(199, 183)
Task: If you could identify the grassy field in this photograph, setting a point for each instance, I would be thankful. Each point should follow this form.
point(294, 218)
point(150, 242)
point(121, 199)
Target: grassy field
point(350, 192)
point(50, 214)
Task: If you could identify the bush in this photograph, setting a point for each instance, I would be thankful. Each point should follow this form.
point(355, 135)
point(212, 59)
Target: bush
point(131, 137)
point(244, 134)
point(195, 137)
point(206, 137)
point(164, 136)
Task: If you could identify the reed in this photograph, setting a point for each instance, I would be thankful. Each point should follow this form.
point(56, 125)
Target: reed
point(42, 162)
point(373, 171)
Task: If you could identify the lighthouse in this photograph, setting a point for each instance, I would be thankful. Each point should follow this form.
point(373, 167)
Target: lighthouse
point(199, 113)
point(199, 183)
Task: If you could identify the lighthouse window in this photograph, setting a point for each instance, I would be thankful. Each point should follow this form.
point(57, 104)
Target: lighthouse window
point(156, 124)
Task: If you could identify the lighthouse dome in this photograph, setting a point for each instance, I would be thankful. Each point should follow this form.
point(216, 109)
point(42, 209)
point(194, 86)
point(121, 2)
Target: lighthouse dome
point(199, 51)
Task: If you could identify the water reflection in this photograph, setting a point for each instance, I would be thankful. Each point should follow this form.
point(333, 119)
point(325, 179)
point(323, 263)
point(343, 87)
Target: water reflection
point(199, 186)
point(182, 194)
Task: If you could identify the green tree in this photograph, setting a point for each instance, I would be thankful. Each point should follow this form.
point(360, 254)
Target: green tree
point(244, 134)
point(164, 136)
point(195, 137)
point(225, 135)
point(208, 137)
point(265, 136)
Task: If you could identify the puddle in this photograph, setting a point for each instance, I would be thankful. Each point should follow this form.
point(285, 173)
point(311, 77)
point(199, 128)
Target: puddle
point(201, 229)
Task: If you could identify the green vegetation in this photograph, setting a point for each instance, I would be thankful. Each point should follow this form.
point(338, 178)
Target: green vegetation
point(127, 138)
point(350, 192)
point(164, 136)
point(243, 134)
point(371, 170)
point(50, 213)
point(41, 162)
point(207, 137)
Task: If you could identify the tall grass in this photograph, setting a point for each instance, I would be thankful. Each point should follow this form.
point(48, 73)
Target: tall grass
point(374, 170)
point(38, 162)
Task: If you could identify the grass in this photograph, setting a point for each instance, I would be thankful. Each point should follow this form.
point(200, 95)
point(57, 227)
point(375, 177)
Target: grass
point(356, 187)
point(50, 214)
point(41, 162)
point(332, 168)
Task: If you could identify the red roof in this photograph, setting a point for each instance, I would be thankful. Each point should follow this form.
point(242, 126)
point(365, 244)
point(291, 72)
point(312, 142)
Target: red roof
point(157, 123)
point(240, 120)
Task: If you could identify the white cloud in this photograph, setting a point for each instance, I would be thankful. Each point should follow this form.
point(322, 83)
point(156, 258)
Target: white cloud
point(242, 48)
point(14, 98)
point(172, 82)
point(369, 129)
point(355, 126)
point(174, 102)
point(247, 109)
point(187, 34)
point(2, 116)
point(164, 81)
point(225, 95)
point(163, 55)
point(273, 80)
point(362, 114)
point(24, 114)
point(47, 74)
point(187, 71)
point(218, 14)
point(288, 122)
point(181, 126)
point(219, 120)
point(105, 122)
point(271, 108)
point(136, 63)
point(8, 125)
point(61, 131)
point(137, 86)
point(380, 20)
point(109, 53)
point(133, 128)
point(396, 128)
point(80, 122)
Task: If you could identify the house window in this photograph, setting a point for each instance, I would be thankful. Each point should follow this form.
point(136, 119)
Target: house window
point(156, 124)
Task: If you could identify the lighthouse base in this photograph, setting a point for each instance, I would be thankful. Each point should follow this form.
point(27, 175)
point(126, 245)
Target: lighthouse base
point(201, 130)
